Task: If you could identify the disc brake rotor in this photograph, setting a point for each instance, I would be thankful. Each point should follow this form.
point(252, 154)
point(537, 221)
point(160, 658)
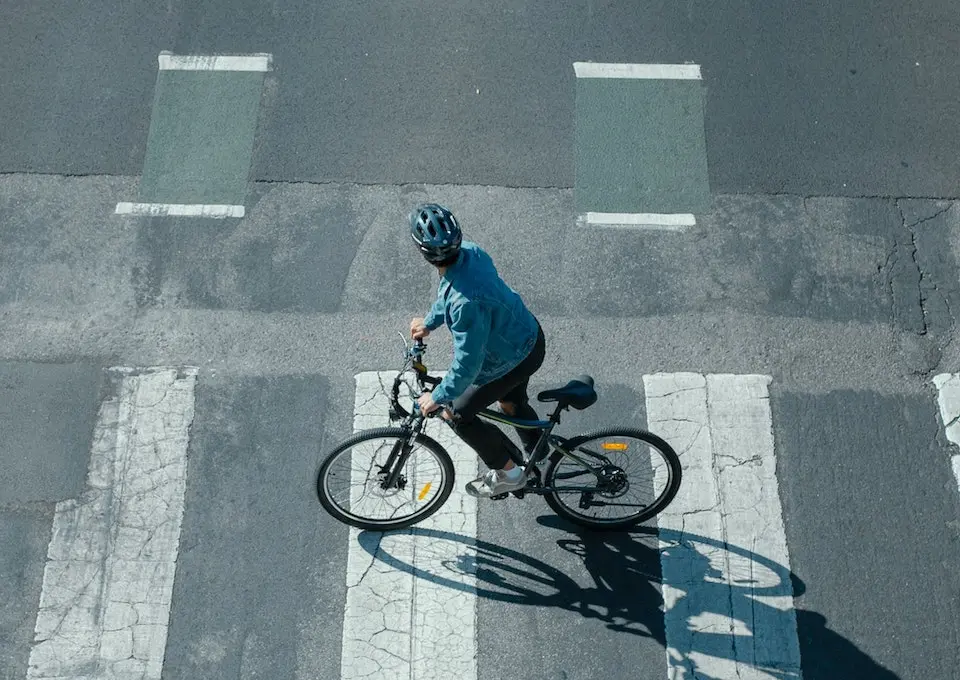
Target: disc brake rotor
point(615, 482)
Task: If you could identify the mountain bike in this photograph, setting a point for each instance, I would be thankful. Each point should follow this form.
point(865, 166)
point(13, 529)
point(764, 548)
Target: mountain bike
point(393, 477)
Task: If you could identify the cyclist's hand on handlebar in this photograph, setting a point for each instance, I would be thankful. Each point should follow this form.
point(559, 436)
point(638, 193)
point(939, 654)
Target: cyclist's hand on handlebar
point(427, 404)
point(418, 330)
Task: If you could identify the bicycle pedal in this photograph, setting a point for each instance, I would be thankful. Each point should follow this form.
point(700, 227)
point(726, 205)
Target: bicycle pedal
point(519, 493)
point(499, 496)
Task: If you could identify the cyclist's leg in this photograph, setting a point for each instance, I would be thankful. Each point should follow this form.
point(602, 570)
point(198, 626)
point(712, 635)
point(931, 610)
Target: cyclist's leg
point(489, 441)
point(516, 402)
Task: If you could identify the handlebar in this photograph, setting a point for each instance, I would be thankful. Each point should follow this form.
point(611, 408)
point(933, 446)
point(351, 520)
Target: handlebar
point(413, 358)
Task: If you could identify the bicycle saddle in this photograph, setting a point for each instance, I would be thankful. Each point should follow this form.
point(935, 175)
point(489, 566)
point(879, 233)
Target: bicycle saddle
point(578, 393)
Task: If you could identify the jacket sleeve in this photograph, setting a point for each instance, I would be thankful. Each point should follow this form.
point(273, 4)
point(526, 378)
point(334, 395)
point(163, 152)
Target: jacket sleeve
point(470, 328)
point(434, 318)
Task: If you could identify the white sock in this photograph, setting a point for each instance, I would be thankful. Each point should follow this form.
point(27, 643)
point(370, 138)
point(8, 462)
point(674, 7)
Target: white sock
point(514, 473)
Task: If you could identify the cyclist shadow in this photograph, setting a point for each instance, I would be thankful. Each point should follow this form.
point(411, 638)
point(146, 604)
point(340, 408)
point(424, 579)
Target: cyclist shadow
point(506, 575)
point(625, 594)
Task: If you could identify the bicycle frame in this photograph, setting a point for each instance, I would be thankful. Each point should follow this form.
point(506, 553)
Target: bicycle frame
point(540, 451)
point(414, 421)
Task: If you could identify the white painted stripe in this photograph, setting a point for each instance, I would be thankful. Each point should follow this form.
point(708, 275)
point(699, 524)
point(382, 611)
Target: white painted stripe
point(401, 625)
point(589, 69)
point(195, 62)
point(108, 580)
point(728, 601)
point(188, 210)
point(948, 396)
point(659, 221)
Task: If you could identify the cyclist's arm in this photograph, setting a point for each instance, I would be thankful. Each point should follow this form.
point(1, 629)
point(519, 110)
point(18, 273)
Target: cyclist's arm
point(470, 327)
point(434, 318)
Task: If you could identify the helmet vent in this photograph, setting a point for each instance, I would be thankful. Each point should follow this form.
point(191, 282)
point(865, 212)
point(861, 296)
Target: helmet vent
point(436, 232)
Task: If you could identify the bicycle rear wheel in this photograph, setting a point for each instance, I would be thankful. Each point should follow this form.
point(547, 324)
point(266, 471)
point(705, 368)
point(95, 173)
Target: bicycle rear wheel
point(626, 476)
point(350, 482)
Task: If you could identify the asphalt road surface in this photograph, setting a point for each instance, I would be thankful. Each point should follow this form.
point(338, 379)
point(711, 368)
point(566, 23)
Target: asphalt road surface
point(168, 384)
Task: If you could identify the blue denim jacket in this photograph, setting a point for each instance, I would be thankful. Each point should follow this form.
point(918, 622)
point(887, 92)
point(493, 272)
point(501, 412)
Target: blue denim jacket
point(492, 329)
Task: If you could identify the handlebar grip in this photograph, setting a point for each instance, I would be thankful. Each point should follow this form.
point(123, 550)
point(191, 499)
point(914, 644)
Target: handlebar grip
point(433, 414)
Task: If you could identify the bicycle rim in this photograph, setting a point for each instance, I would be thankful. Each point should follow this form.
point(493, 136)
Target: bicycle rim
point(350, 483)
point(640, 476)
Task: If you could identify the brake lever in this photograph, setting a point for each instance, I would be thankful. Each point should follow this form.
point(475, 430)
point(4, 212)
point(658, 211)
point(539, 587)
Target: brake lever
point(406, 345)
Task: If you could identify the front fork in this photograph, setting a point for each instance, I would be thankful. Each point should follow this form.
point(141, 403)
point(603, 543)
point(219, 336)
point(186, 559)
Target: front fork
point(400, 453)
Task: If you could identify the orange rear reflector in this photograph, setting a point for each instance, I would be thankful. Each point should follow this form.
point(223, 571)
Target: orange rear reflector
point(424, 491)
point(614, 446)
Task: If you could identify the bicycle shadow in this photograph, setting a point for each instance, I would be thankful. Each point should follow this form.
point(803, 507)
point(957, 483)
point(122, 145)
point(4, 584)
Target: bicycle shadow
point(625, 594)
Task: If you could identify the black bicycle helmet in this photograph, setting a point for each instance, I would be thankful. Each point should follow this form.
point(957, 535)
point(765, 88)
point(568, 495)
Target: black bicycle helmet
point(435, 231)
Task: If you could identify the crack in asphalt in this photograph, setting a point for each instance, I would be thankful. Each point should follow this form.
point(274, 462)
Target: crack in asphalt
point(676, 391)
point(740, 462)
point(541, 187)
point(373, 560)
point(916, 265)
point(947, 426)
point(934, 216)
point(560, 187)
point(897, 275)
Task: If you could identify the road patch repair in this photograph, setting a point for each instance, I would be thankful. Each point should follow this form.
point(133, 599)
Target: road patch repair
point(202, 129)
point(641, 159)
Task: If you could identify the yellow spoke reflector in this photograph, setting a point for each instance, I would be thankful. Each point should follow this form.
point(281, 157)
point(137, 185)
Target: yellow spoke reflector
point(424, 491)
point(614, 446)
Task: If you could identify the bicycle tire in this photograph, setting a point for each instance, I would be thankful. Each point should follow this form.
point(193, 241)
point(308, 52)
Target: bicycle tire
point(674, 478)
point(338, 513)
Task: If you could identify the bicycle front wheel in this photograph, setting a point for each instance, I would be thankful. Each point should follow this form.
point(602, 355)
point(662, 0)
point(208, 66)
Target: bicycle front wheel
point(351, 482)
point(614, 478)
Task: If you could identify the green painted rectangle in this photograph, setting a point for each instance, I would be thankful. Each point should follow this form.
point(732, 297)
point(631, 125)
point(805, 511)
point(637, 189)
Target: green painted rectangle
point(201, 137)
point(640, 146)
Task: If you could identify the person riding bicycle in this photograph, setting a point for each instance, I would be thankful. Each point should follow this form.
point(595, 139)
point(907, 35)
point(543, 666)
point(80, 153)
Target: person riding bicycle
point(498, 344)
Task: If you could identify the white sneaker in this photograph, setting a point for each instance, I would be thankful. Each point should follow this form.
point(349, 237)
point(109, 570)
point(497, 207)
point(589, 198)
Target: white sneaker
point(495, 482)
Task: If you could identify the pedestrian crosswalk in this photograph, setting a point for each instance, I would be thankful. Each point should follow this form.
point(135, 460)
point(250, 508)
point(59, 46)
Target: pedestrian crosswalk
point(738, 621)
point(413, 602)
point(398, 623)
point(108, 579)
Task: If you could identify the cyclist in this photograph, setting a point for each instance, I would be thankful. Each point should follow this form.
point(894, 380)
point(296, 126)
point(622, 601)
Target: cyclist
point(498, 344)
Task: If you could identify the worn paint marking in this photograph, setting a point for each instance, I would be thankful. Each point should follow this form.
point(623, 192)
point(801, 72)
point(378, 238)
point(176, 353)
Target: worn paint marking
point(108, 579)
